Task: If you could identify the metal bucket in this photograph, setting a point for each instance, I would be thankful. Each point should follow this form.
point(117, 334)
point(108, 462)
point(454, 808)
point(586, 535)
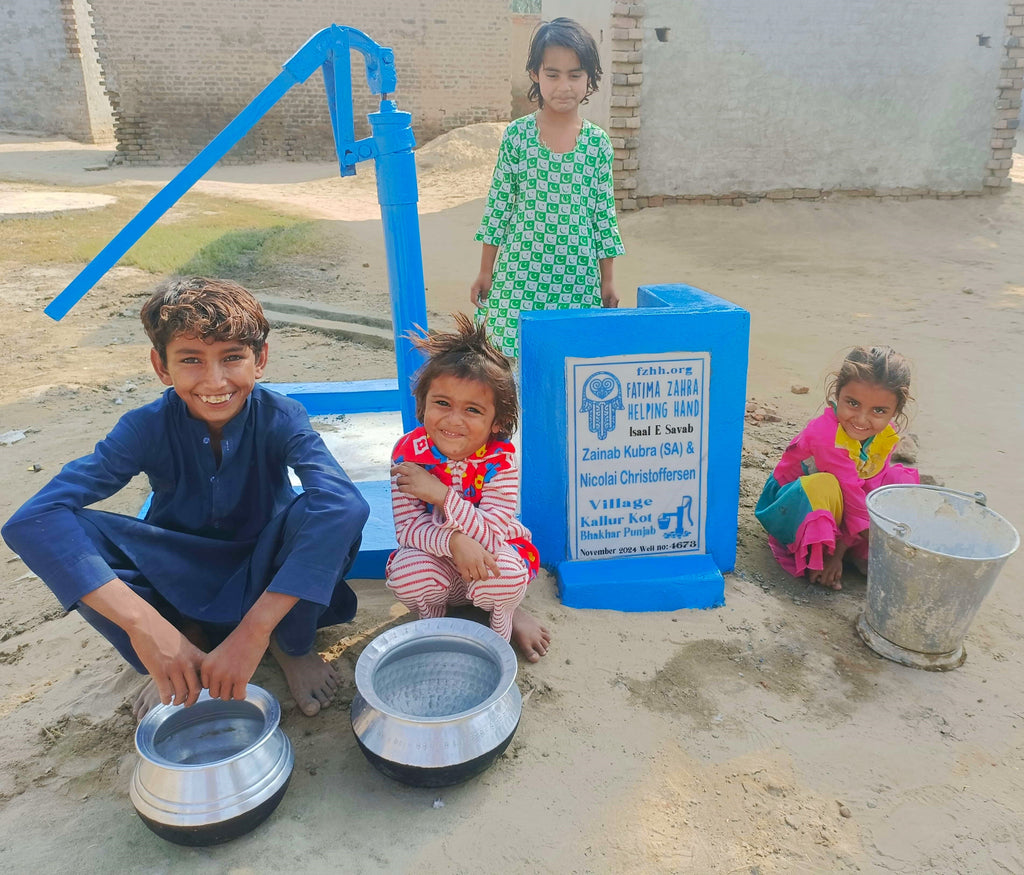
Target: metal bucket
point(934, 555)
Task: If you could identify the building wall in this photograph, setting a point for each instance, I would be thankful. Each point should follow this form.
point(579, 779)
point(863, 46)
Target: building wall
point(523, 26)
point(742, 98)
point(748, 96)
point(49, 78)
point(179, 70)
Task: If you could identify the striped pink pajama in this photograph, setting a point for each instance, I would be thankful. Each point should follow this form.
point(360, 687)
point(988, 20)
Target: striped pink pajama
point(421, 572)
point(428, 584)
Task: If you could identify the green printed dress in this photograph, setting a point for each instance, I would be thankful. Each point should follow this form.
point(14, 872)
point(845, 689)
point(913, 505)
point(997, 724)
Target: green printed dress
point(552, 217)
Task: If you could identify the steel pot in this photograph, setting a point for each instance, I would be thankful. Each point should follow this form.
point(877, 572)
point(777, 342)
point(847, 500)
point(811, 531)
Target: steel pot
point(211, 772)
point(437, 701)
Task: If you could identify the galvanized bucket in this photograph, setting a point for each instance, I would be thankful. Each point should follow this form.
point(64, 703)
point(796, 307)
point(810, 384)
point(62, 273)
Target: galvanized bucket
point(934, 555)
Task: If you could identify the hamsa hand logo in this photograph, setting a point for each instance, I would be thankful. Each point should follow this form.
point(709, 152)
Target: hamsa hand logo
point(602, 396)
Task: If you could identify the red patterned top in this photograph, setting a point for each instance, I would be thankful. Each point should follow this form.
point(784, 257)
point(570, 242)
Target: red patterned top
point(481, 500)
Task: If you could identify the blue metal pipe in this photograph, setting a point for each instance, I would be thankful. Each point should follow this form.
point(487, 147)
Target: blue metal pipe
point(398, 195)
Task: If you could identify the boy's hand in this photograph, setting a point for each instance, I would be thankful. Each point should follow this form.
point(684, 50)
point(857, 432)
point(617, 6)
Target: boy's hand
point(173, 662)
point(412, 479)
point(609, 298)
point(472, 561)
point(231, 665)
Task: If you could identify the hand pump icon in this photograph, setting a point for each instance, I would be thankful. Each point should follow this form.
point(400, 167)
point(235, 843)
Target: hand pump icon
point(683, 510)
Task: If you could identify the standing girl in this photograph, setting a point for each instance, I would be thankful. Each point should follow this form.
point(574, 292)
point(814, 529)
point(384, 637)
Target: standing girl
point(549, 230)
point(454, 489)
point(813, 505)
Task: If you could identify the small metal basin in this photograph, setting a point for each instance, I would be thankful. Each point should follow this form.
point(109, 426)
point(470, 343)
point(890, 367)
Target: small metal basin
point(437, 701)
point(212, 772)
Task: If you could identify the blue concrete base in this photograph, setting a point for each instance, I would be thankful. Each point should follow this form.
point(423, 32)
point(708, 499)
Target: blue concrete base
point(378, 533)
point(642, 583)
point(670, 319)
point(359, 396)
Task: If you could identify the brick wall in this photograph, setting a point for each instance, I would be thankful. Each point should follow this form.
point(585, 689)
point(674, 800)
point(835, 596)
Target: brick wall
point(624, 117)
point(521, 32)
point(178, 71)
point(730, 102)
point(42, 84)
point(1008, 101)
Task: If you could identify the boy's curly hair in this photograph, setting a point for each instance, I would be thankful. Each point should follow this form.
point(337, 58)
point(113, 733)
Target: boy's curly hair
point(208, 309)
point(467, 354)
point(880, 366)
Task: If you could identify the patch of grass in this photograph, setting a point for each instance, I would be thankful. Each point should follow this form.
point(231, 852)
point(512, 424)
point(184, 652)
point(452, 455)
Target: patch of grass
point(200, 234)
point(237, 254)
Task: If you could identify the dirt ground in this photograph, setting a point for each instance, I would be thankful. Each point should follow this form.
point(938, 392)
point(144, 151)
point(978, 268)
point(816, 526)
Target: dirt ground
point(759, 737)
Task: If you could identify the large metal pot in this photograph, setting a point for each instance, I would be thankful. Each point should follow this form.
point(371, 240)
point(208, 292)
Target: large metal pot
point(437, 701)
point(211, 772)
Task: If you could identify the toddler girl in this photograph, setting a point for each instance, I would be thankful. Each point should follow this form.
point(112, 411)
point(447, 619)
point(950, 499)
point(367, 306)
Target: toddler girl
point(549, 230)
point(454, 490)
point(813, 505)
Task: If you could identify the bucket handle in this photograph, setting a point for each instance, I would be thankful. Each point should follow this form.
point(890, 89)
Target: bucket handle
point(902, 529)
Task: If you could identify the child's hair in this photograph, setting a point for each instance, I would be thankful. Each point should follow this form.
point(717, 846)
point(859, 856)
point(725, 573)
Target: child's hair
point(570, 35)
point(208, 309)
point(467, 354)
point(880, 366)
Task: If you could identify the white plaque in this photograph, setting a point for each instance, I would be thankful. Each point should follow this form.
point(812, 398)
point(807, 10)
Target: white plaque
point(637, 441)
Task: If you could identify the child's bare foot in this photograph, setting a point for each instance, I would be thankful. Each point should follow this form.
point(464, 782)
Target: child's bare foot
point(149, 697)
point(312, 681)
point(819, 577)
point(529, 637)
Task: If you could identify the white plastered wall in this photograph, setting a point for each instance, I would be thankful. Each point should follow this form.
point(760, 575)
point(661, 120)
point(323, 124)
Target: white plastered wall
point(751, 96)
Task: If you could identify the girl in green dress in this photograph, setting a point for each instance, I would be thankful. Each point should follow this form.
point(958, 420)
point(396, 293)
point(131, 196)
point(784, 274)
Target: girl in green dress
point(549, 230)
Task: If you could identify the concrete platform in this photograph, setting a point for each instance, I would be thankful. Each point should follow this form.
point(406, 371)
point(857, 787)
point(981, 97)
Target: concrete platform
point(374, 331)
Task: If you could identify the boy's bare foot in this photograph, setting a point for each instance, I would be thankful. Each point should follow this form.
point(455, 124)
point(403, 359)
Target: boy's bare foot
point(529, 637)
point(149, 697)
point(312, 681)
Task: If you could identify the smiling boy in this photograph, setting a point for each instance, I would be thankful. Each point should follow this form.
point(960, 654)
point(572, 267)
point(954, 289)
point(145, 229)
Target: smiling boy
point(229, 560)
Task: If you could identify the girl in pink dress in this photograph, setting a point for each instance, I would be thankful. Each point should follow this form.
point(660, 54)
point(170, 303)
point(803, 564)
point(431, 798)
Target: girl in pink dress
point(813, 505)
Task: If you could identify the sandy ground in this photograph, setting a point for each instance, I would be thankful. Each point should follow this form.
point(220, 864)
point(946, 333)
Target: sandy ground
point(721, 741)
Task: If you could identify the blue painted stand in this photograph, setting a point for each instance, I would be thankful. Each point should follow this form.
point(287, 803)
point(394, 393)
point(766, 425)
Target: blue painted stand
point(669, 318)
point(365, 396)
point(359, 396)
point(378, 534)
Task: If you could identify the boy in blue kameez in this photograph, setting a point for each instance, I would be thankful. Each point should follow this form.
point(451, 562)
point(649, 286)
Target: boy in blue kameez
point(229, 560)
